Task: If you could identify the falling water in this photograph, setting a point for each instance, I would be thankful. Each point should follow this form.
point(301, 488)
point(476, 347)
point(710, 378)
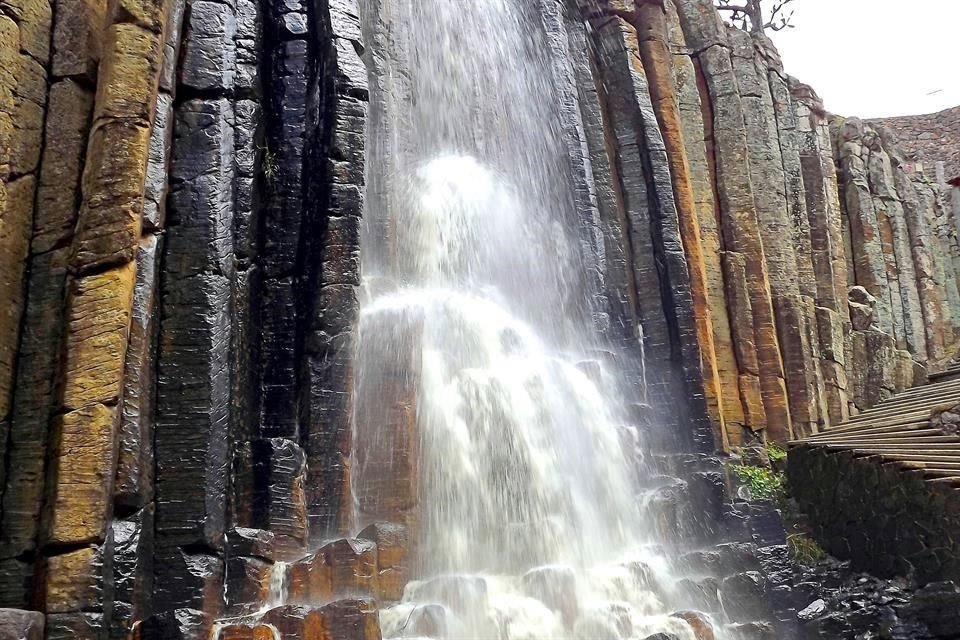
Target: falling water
point(479, 372)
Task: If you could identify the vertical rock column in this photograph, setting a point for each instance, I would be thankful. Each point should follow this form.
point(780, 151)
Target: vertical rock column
point(558, 20)
point(78, 542)
point(778, 230)
point(652, 234)
point(194, 373)
point(134, 507)
point(818, 171)
point(748, 287)
point(742, 405)
point(621, 290)
point(926, 257)
point(650, 20)
point(335, 207)
point(25, 57)
point(814, 402)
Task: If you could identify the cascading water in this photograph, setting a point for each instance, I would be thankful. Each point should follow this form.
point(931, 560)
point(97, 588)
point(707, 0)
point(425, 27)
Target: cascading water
point(475, 330)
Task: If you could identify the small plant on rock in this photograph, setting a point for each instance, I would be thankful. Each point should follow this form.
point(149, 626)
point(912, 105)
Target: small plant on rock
point(762, 482)
point(804, 549)
point(268, 165)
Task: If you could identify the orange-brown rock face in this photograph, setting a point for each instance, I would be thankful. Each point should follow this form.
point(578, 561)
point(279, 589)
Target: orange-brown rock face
point(341, 568)
point(181, 190)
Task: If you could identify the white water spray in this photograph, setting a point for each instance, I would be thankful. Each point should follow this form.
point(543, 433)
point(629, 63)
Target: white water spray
point(476, 328)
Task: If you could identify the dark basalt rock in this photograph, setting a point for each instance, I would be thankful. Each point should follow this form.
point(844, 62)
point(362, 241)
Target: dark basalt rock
point(743, 597)
point(751, 631)
point(21, 625)
point(182, 624)
point(78, 626)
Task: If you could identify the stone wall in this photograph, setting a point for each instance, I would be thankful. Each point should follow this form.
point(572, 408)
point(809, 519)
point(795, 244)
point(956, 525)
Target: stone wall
point(181, 187)
point(931, 141)
point(885, 519)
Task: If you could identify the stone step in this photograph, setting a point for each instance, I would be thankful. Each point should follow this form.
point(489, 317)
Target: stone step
point(893, 421)
point(931, 441)
point(894, 454)
point(902, 422)
point(929, 400)
point(924, 390)
point(953, 373)
point(894, 431)
point(921, 412)
point(935, 396)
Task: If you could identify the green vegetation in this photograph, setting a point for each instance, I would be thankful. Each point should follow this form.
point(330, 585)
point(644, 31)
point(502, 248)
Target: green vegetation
point(763, 482)
point(804, 549)
point(776, 453)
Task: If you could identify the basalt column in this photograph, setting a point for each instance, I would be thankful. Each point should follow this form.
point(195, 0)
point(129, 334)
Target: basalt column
point(651, 232)
point(745, 266)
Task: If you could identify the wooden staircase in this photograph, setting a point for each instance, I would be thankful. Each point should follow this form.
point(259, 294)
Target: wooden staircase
point(899, 430)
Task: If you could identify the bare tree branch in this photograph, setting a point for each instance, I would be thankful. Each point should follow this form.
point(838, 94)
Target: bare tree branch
point(750, 15)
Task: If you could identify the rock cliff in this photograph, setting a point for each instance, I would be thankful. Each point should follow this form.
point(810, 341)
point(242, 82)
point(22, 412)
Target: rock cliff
point(181, 188)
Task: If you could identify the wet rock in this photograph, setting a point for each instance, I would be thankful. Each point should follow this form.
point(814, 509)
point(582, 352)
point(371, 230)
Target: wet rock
point(702, 594)
point(247, 584)
point(701, 624)
point(278, 500)
point(346, 566)
point(429, 620)
point(751, 631)
point(555, 587)
point(461, 593)
point(79, 626)
point(132, 570)
point(744, 597)
point(245, 631)
point(179, 624)
point(393, 558)
point(17, 624)
point(342, 619)
point(257, 543)
point(209, 51)
point(814, 610)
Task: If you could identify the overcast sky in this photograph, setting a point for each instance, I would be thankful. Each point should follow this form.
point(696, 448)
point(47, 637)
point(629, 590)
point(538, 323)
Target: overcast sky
point(876, 58)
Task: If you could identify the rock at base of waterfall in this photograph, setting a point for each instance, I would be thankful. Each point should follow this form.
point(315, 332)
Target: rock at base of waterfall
point(462, 594)
point(393, 558)
point(245, 631)
point(744, 597)
point(701, 594)
point(248, 584)
point(813, 611)
point(700, 624)
point(354, 619)
point(750, 631)
point(555, 587)
point(178, 624)
point(429, 621)
point(345, 566)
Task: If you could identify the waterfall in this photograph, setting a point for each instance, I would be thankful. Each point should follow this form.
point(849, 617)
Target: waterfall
point(488, 417)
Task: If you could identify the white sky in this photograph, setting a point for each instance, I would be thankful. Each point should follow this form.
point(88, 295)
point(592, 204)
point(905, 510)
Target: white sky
point(876, 58)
